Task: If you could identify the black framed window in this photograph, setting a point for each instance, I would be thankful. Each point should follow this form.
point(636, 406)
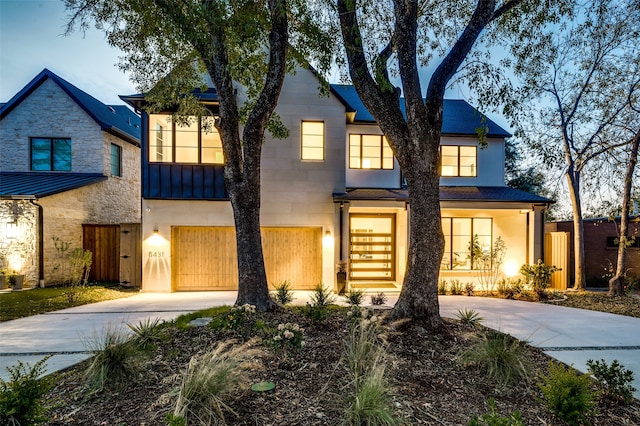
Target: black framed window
point(459, 161)
point(195, 143)
point(370, 152)
point(49, 154)
point(465, 240)
point(116, 160)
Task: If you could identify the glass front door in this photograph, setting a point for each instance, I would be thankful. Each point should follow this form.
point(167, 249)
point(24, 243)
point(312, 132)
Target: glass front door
point(372, 247)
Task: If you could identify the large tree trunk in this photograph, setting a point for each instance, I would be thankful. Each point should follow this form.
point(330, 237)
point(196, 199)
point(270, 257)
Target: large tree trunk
point(573, 180)
point(617, 282)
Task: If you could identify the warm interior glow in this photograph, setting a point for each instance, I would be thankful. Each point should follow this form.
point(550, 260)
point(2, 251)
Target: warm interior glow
point(327, 240)
point(510, 268)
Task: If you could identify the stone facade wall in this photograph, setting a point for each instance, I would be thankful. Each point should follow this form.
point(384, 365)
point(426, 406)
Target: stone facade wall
point(50, 113)
point(19, 239)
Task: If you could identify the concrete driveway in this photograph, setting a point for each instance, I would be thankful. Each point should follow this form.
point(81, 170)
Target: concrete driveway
point(572, 336)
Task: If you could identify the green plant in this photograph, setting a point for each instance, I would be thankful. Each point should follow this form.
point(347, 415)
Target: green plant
point(370, 404)
point(378, 299)
point(487, 261)
point(538, 275)
point(364, 345)
point(492, 418)
point(238, 318)
point(469, 317)
point(316, 314)
point(442, 287)
point(456, 287)
point(615, 380)
point(468, 289)
point(147, 333)
point(209, 379)
point(322, 296)
point(283, 293)
point(502, 358)
point(289, 336)
point(174, 420)
point(20, 397)
point(355, 297)
point(80, 264)
point(115, 360)
point(568, 394)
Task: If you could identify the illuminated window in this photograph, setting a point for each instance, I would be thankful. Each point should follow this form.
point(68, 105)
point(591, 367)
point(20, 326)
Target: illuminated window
point(370, 152)
point(313, 140)
point(459, 160)
point(467, 242)
point(196, 143)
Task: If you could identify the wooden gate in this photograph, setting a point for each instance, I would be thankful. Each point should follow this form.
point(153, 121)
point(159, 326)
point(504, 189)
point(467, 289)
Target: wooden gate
point(104, 242)
point(556, 246)
point(130, 255)
point(204, 258)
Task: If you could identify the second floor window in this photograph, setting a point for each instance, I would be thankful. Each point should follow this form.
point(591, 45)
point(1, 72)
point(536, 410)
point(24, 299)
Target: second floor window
point(116, 160)
point(369, 152)
point(51, 154)
point(197, 143)
point(312, 144)
point(459, 161)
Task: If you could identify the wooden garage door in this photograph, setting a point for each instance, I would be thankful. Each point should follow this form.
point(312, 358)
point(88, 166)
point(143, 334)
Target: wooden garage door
point(204, 258)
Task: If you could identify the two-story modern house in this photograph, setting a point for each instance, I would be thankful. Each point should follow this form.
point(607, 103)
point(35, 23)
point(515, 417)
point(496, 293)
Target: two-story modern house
point(69, 177)
point(331, 193)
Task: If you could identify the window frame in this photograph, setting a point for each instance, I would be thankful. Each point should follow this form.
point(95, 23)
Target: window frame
point(172, 148)
point(458, 165)
point(118, 150)
point(302, 140)
point(360, 156)
point(52, 152)
point(471, 236)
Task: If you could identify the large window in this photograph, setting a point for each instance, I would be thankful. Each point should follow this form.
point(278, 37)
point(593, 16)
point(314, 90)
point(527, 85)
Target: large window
point(116, 160)
point(196, 143)
point(466, 242)
point(51, 154)
point(369, 152)
point(312, 140)
point(459, 160)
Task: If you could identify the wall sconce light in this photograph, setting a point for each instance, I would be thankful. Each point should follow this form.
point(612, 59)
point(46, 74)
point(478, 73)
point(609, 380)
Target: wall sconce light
point(327, 240)
point(155, 231)
point(12, 230)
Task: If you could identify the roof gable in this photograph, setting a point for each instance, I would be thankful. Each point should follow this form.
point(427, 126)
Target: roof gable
point(458, 117)
point(116, 119)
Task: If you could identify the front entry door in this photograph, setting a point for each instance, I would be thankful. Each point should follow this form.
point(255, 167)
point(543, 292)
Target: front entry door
point(372, 247)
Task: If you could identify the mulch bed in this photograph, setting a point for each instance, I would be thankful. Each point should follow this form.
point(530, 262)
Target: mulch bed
point(428, 383)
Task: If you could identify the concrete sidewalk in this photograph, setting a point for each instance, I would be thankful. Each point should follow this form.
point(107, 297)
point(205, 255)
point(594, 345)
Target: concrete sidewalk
point(570, 335)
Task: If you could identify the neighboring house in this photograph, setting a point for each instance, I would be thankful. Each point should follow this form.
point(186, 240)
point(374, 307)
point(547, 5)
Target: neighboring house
point(67, 162)
point(600, 247)
point(332, 192)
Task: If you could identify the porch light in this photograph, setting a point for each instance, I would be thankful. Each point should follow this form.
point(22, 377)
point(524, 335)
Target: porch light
point(327, 240)
point(156, 239)
point(12, 230)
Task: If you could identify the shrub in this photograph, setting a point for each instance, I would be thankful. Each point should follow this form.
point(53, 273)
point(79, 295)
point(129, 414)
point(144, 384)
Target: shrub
point(114, 362)
point(283, 293)
point(238, 318)
point(568, 394)
point(20, 397)
point(538, 275)
point(468, 289)
point(456, 287)
point(322, 296)
point(615, 381)
point(289, 336)
point(502, 357)
point(208, 380)
point(494, 419)
point(354, 297)
point(364, 345)
point(315, 314)
point(442, 287)
point(469, 317)
point(147, 333)
point(378, 299)
point(370, 403)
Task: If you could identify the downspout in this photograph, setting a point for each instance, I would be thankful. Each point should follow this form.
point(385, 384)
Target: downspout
point(40, 243)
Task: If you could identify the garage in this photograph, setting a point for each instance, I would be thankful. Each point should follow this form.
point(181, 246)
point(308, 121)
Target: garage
point(204, 258)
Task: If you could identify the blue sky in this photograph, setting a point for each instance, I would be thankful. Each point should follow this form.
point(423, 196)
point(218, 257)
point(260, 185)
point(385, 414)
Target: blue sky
point(31, 39)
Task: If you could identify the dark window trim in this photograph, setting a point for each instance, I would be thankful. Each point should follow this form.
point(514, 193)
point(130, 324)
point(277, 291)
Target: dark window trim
point(119, 150)
point(458, 167)
point(393, 162)
point(173, 145)
point(51, 161)
point(451, 268)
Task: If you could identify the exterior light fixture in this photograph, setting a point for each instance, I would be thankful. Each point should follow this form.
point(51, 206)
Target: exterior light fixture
point(327, 240)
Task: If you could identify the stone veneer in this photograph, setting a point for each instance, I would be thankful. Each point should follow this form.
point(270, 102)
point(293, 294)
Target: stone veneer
point(18, 245)
point(50, 112)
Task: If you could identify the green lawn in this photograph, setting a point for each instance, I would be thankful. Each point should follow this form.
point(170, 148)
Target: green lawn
point(19, 304)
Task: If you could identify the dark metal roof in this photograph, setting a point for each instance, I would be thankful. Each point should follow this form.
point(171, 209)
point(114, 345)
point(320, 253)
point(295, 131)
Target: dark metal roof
point(25, 185)
point(116, 119)
point(459, 118)
point(447, 193)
